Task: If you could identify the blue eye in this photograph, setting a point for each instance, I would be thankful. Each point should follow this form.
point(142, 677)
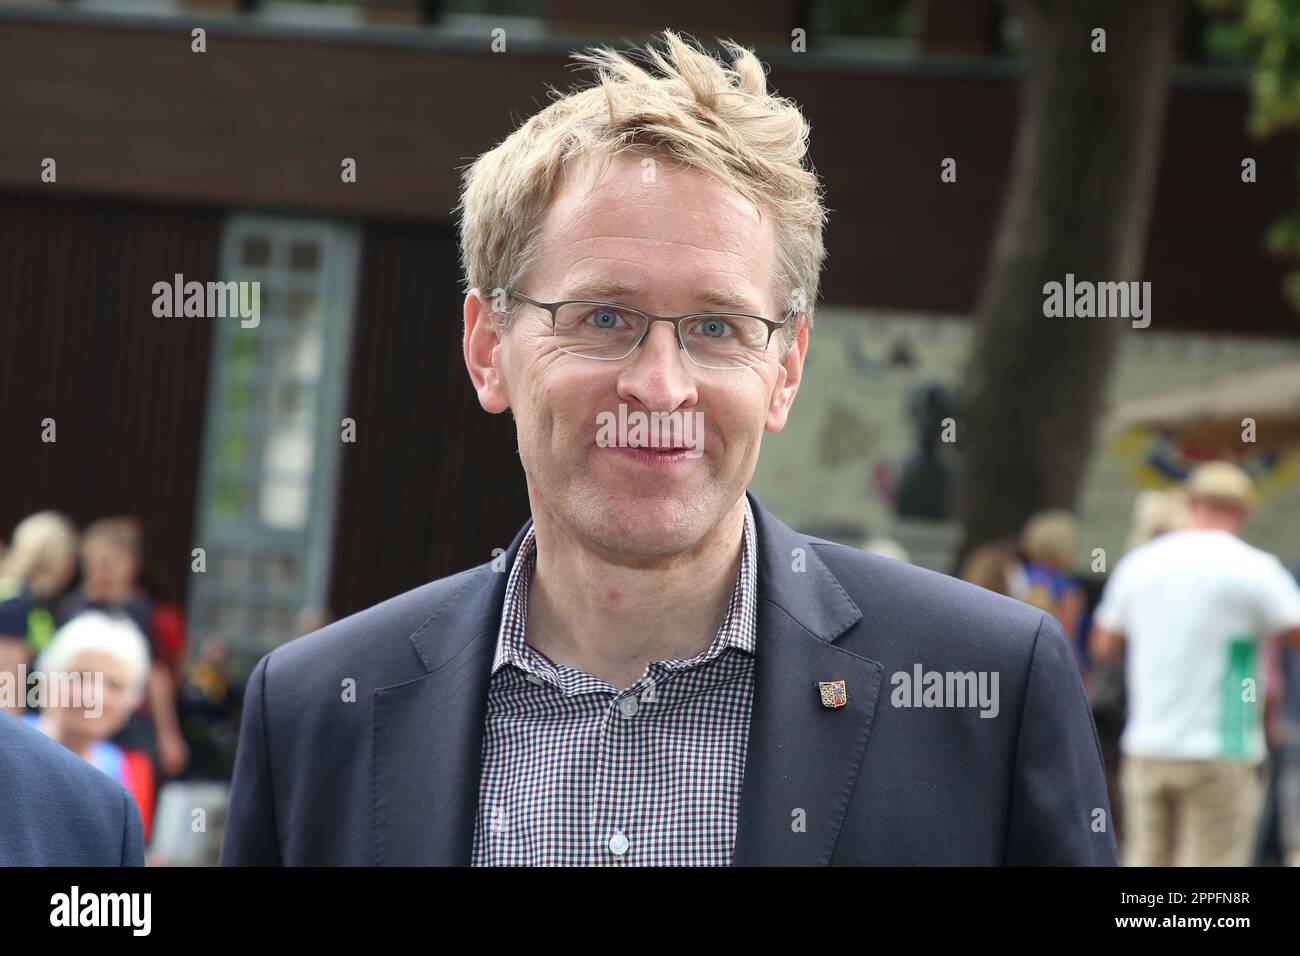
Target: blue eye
point(714, 328)
point(605, 318)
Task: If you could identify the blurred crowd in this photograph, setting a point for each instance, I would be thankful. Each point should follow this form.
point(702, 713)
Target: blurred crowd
point(1188, 647)
point(1190, 655)
point(122, 687)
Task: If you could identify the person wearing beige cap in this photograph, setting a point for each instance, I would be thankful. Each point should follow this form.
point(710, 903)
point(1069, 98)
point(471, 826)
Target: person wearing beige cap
point(1224, 489)
point(1194, 608)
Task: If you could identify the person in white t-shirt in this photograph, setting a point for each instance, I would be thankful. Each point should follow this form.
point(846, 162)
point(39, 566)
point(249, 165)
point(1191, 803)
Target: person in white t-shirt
point(1193, 609)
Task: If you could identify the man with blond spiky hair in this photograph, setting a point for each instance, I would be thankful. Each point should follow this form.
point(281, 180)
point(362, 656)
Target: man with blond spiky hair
point(657, 671)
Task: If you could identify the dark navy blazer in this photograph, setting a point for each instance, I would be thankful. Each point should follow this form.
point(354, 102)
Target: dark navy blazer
point(58, 810)
point(390, 775)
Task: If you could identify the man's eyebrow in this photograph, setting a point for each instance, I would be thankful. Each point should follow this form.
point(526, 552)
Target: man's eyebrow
point(613, 290)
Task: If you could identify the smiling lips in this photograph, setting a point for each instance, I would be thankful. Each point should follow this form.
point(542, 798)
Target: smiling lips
point(657, 457)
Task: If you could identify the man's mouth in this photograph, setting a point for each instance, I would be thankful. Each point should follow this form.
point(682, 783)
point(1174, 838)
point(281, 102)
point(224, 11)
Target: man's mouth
point(659, 437)
point(666, 449)
point(658, 456)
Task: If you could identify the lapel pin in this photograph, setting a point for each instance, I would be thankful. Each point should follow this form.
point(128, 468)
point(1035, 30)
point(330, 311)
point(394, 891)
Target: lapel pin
point(833, 693)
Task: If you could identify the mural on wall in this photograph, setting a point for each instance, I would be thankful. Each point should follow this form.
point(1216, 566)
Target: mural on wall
point(1160, 460)
point(862, 456)
point(1251, 418)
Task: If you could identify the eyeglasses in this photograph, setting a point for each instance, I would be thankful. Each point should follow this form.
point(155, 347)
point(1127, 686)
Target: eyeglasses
point(609, 332)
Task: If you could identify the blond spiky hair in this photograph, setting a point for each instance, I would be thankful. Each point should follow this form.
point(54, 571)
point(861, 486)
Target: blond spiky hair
point(716, 118)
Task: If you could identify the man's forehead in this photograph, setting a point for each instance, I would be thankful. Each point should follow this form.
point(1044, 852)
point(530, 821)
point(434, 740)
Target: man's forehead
point(591, 189)
point(712, 239)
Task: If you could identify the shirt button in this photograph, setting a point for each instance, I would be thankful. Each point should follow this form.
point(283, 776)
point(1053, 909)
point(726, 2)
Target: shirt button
point(618, 844)
point(533, 679)
point(628, 706)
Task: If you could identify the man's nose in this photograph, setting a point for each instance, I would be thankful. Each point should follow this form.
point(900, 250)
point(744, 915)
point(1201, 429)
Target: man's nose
point(657, 373)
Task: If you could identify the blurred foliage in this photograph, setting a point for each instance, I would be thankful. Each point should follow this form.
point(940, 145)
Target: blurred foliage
point(1270, 31)
point(1224, 40)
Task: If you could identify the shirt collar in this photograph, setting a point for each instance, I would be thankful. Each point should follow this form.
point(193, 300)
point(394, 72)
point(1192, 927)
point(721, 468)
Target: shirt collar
point(736, 631)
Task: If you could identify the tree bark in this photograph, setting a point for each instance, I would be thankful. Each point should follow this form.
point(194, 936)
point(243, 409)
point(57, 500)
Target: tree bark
point(1082, 181)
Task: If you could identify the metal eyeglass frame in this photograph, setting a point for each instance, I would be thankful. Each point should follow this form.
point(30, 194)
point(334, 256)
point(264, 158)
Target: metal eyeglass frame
point(676, 321)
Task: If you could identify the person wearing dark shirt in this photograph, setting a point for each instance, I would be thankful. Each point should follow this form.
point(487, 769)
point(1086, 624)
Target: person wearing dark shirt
point(111, 559)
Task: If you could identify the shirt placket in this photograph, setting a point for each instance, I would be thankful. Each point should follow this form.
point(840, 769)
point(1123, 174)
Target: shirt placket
point(617, 834)
point(620, 826)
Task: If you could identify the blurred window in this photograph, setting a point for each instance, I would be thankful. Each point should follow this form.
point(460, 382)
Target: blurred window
point(273, 431)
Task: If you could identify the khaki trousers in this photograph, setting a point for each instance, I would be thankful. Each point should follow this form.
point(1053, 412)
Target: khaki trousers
point(1189, 812)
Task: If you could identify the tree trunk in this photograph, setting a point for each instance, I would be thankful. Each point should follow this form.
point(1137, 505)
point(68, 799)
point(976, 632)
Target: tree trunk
point(1082, 180)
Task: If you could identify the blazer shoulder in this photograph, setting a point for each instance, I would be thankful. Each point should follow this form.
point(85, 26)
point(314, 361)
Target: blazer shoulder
point(60, 810)
point(929, 602)
point(376, 641)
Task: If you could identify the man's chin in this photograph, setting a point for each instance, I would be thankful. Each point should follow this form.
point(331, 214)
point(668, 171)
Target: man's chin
point(650, 525)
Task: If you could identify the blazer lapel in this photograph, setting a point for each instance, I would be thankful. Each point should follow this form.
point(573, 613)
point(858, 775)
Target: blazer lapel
point(803, 759)
point(428, 731)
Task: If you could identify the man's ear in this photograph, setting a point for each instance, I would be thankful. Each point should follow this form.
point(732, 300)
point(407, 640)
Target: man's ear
point(482, 353)
point(790, 373)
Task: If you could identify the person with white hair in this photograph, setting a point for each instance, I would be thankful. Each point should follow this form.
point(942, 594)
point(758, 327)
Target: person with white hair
point(1194, 607)
point(112, 560)
point(35, 570)
point(95, 671)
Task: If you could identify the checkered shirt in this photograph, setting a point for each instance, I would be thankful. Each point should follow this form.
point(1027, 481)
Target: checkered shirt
point(579, 773)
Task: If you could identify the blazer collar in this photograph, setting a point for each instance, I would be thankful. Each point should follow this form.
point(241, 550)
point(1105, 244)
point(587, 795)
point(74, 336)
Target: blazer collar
point(802, 759)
